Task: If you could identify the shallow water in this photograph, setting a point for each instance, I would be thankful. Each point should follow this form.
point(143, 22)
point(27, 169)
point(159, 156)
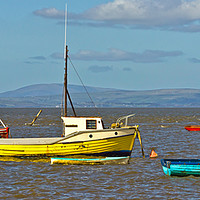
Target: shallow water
point(143, 178)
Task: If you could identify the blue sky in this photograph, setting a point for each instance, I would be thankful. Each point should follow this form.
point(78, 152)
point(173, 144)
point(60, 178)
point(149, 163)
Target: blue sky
point(124, 44)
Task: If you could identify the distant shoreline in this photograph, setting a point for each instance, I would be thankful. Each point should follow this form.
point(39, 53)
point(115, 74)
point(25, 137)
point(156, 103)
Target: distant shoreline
point(50, 96)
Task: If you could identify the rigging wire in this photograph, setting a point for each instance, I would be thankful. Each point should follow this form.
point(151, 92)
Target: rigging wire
point(83, 85)
point(65, 57)
point(62, 104)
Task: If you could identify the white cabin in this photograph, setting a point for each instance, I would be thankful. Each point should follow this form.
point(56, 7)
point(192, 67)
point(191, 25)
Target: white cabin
point(73, 124)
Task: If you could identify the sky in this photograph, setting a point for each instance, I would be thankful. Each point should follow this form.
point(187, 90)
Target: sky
point(123, 44)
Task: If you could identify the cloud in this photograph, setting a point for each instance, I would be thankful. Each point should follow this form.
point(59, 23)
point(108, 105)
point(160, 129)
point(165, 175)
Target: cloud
point(35, 60)
point(173, 15)
point(146, 13)
point(52, 13)
point(57, 56)
point(194, 60)
point(99, 69)
point(32, 62)
point(38, 58)
point(94, 24)
point(127, 69)
point(192, 28)
point(113, 55)
point(148, 56)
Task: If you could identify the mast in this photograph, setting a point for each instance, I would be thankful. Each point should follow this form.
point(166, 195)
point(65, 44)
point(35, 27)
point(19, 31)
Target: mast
point(65, 56)
point(65, 83)
point(66, 93)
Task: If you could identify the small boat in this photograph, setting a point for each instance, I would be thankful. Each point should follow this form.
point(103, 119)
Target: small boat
point(4, 131)
point(193, 128)
point(91, 161)
point(181, 167)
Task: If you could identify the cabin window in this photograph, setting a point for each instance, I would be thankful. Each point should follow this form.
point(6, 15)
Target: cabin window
point(71, 125)
point(91, 124)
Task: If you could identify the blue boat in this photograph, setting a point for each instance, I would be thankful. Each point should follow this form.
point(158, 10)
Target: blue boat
point(181, 167)
point(91, 161)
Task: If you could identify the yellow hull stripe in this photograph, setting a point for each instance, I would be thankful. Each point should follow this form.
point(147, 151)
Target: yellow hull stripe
point(115, 144)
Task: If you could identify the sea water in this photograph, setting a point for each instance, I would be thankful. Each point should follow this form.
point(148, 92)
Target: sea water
point(161, 129)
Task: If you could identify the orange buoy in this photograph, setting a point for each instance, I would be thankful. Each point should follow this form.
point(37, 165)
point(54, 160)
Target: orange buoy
point(153, 154)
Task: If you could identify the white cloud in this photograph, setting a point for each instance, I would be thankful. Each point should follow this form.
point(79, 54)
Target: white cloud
point(50, 13)
point(148, 56)
point(174, 15)
point(113, 54)
point(146, 12)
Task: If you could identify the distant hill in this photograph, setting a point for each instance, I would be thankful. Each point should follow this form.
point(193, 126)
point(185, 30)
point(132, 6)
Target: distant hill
point(50, 95)
point(49, 90)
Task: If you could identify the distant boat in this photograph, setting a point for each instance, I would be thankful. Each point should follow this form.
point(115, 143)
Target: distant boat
point(91, 161)
point(193, 128)
point(181, 167)
point(4, 132)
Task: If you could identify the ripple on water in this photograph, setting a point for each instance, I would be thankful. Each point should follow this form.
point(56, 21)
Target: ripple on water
point(143, 178)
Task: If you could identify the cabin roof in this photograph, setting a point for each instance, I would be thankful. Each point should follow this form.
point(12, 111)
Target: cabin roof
point(83, 117)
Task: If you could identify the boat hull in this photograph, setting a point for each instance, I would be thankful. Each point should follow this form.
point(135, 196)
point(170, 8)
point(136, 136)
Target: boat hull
point(120, 145)
point(91, 161)
point(193, 128)
point(181, 167)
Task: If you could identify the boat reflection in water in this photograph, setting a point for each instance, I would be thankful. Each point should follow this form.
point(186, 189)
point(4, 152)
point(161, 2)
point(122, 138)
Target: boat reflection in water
point(91, 161)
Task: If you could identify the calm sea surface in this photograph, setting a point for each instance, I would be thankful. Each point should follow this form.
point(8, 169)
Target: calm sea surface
point(143, 178)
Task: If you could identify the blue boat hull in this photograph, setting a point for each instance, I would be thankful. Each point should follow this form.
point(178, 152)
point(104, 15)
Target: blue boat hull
point(181, 167)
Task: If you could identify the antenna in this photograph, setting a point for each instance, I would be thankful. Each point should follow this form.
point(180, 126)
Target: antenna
point(65, 31)
point(66, 93)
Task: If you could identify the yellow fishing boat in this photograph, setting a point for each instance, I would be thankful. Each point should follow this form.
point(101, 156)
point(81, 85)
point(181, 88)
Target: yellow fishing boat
point(91, 140)
point(81, 136)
